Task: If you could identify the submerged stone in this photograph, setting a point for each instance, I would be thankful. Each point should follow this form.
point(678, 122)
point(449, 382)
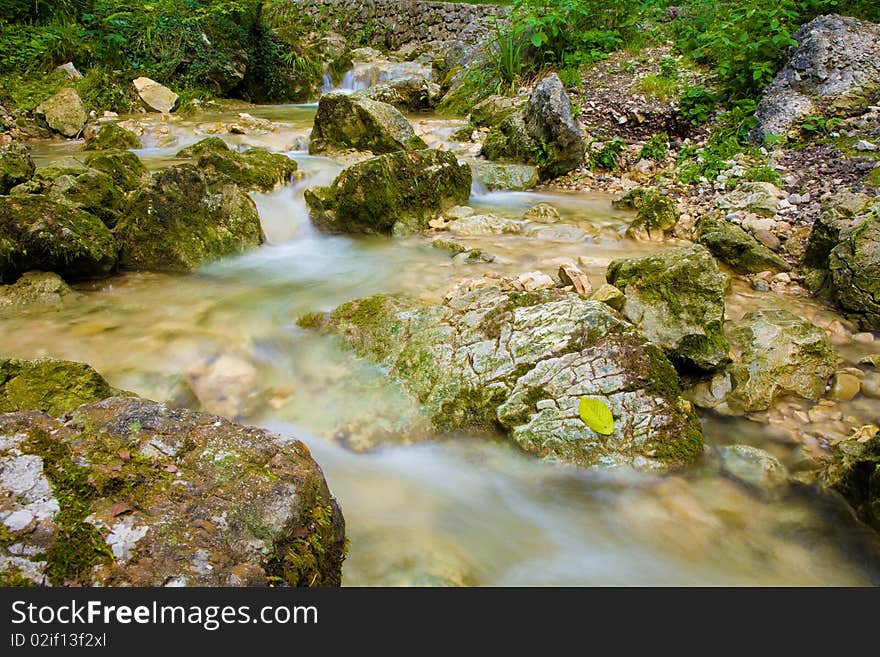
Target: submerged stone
point(110, 136)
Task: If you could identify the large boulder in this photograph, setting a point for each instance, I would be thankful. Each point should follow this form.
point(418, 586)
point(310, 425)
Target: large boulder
point(344, 122)
point(155, 96)
point(16, 166)
point(127, 492)
point(110, 136)
point(734, 246)
point(525, 360)
point(64, 112)
point(777, 354)
point(834, 71)
point(252, 169)
point(543, 132)
point(842, 260)
point(41, 233)
point(49, 385)
point(395, 193)
point(182, 219)
point(676, 298)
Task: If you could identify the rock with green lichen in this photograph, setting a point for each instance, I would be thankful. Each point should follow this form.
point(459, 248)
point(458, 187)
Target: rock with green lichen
point(676, 298)
point(252, 169)
point(734, 246)
point(842, 260)
point(344, 122)
point(16, 166)
point(543, 132)
point(413, 93)
point(492, 110)
point(87, 189)
point(517, 177)
point(124, 167)
point(654, 212)
point(127, 492)
point(396, 193)
point(49, 385)
point(523, 360)
point(42, 233)
point(854, 472)
point(609, 295)
point(182, 219)
point(64, 112)
point(775, 354)
point(36, 288)
point(110, 136)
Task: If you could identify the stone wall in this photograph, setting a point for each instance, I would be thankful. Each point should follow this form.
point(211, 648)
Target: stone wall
point(392, 23)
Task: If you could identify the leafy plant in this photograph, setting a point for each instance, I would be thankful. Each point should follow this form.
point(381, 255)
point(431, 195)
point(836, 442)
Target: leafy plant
point(697, 104)
point(819, 126)
point(655, 148)
point(606, 158)
point(763, 173)
point(658, 86)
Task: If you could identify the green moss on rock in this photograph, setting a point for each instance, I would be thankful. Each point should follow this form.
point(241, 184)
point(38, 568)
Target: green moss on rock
point(391, 194)
point(111, 136)
point(182, 220)
point(654, 211)
point(735, 247)
point(16, 166)
point(124, 167)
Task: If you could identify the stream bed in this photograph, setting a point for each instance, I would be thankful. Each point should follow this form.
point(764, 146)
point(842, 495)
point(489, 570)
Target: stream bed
point(458, 510)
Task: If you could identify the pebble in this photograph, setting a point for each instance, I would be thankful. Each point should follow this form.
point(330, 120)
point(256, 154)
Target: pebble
point(864, 145)
point(768, 239)
point(871, 385)
point(865, 337)
point(845, 387)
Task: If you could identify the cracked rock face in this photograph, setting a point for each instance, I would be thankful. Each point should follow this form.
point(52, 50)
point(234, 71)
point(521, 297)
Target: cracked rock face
point(834, 71)
point(523, 360)
point(127, 492)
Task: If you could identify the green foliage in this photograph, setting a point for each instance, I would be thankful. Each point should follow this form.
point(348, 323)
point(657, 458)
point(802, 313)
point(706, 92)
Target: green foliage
point(571, 76)
point(763, 173)
point(505, 57)
point(659, 87)
point(697, 104)
point(819, 126)
point(606, 158)
point(655, 148)
point(729, 138)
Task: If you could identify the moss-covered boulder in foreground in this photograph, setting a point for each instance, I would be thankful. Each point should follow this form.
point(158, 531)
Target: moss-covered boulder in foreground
point(522, 361)
point(394, 193)
point(40, 233)
point(87, 189)
point(16, 166)
point(345, 122)
point(182, 219)
point(110, 136)
point(124, 167)
point(49, 385)
point(252, 169)
point(127, 492)
point(676, 298)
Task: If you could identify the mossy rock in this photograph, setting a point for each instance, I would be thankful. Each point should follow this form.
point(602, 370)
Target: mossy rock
point(64, 112)
point(16, 166)
point(394, 193)
point(216, 504)
point(41, 233)
point(182, 219)
point(521, 361)
point(36, 288)
point(344, 123)
point(251, 169)
point(491, 111)
point(508, 141)
point(855, 473)
point(124, 167)
point(654, 211)
point(93, 191)
point(676, 298)
point(111, 136)
point(735, 247)
point(49, 385)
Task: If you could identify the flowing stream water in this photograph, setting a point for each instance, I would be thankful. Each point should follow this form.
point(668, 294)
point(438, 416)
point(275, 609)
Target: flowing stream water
point(467, 509)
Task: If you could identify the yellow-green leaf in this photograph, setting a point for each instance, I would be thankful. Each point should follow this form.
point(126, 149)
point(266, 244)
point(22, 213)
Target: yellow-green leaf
point(596, 415)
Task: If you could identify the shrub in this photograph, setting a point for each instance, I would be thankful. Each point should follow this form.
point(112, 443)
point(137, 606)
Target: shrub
point(655, 148)
point(606, 158)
